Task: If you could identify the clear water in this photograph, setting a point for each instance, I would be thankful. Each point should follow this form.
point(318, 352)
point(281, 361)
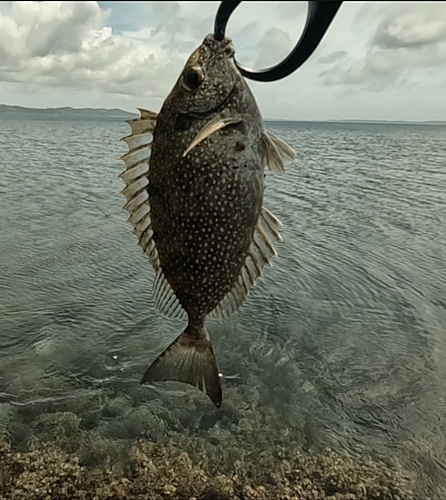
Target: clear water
point(342, 344)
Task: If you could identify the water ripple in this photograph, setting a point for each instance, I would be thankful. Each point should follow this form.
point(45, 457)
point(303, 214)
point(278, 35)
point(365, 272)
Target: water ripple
point(345, 334)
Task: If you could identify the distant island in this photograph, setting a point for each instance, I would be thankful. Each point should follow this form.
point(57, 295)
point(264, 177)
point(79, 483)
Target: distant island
point(67, 113)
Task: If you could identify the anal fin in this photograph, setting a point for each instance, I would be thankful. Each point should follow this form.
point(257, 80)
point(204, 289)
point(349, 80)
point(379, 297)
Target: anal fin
point(260, 253)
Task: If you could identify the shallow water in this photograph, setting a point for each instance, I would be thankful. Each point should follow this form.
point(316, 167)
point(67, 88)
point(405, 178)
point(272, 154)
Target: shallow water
point(342, 344)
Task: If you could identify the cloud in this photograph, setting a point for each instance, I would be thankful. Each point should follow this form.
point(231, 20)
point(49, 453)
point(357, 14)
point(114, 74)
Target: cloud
point(274, 46)
point(408, 39)
point(72, 44)
point(412, 27)
point(337, 55)
point(68, 44)
point(128, 55)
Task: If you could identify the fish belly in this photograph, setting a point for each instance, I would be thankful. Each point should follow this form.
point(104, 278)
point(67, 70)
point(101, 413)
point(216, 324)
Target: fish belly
point(203, 221)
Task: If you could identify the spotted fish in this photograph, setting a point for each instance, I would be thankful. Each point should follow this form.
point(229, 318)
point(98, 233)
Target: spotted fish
point(194, 188)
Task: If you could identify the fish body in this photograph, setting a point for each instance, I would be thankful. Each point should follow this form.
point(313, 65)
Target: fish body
point(195, 195)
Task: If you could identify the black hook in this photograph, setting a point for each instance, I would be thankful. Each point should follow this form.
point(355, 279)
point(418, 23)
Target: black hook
point(320, 15)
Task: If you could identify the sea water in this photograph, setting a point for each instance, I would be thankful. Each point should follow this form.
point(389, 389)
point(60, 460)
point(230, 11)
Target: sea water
point(342, 344)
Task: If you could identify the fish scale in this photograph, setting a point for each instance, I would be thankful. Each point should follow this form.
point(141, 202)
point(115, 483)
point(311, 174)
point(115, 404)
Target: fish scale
point(194, 188)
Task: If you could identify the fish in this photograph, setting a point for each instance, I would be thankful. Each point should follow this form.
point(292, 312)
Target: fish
point(194, 185)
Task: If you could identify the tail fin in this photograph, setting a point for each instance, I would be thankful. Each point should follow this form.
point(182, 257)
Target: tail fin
point(188, 359)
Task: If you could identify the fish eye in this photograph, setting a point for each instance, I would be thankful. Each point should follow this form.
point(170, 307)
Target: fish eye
point(192, 78)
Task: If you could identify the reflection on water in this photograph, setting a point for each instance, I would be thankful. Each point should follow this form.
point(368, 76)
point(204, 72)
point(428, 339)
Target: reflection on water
point(342, 344)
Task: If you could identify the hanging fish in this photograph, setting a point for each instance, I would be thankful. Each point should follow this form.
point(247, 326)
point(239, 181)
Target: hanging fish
point(194, 194)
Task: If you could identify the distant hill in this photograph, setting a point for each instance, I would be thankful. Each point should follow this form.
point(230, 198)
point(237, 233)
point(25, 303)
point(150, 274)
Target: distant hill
point(116, 114)
point(64, 113)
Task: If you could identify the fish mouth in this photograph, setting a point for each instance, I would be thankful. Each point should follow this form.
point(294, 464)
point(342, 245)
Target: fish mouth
point(227, 45)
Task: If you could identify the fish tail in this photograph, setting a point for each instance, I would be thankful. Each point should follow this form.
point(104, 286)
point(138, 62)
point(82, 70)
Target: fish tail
point(189, 359)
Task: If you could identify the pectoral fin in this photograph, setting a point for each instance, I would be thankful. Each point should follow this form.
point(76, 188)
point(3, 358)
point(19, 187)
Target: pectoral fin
point(277, 153)
point(217, 123)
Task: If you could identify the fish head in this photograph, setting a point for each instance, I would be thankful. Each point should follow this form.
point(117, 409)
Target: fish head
point(207, 79)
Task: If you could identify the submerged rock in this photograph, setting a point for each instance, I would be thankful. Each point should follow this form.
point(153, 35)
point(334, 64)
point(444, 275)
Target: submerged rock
point(46, 472)
point(161, 471)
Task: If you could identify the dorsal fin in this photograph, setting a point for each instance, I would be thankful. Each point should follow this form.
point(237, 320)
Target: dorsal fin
point(137, 162)
point(262, 249)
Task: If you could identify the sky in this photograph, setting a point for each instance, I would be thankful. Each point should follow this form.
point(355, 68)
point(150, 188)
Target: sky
point(378, 60)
